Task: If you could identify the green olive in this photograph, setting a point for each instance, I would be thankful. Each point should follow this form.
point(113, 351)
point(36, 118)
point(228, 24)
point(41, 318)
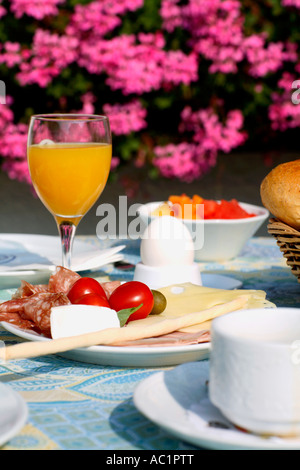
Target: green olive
point(160, 303)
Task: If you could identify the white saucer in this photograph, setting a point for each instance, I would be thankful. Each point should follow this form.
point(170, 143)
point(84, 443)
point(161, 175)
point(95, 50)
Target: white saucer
point(177, 400)
point(13, 413)
point(219, 281)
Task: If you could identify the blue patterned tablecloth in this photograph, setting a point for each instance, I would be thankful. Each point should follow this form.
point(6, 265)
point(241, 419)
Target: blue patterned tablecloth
point(73, 405)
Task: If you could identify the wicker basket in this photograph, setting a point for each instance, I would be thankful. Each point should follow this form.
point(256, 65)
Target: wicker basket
point(288, 240)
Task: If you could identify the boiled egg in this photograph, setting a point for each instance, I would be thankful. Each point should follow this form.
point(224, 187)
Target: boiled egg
point(73, 320)
point(167, 242)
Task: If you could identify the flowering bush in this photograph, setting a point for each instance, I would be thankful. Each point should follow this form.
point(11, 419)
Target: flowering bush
point(181, 80)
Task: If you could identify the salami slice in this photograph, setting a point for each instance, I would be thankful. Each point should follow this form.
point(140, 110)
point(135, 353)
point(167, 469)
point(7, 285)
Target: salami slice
point(62, 280)
point(15, 319)
point(33, 311)
point(11, 311)
point(26, 290)
point(12, 306)
point(38, 309)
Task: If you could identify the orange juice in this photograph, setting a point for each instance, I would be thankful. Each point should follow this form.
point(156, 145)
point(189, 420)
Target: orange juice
point(69, 177)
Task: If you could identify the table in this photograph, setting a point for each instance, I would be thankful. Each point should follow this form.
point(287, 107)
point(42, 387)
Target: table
point(74, 406)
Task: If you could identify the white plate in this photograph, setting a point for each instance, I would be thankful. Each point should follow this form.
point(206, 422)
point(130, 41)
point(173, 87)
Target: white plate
point(177, 400)
point(13, 413)
point(137, 356)
point(15, 248)
point(128, 356)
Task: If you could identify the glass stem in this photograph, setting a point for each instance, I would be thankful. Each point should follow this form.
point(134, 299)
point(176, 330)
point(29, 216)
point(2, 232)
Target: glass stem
point(67, 233)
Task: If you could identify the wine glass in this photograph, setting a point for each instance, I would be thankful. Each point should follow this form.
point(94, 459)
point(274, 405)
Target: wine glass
point(69, 158)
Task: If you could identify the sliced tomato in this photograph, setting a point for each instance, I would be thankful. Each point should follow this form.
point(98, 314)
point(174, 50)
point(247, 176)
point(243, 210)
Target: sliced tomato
point(83, 286)
point(132, 294)
point(210, 208)
point(231, 210)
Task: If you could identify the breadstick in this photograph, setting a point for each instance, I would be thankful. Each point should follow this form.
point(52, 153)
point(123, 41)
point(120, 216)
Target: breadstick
point(111, 336)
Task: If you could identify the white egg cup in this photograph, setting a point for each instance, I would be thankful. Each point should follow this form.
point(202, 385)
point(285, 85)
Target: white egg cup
point(167, 255)
point(162, 276)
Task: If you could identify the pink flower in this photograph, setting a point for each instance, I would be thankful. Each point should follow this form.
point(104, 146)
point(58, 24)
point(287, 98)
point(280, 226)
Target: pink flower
point(10, 54)
point(126, 118)
point(216, 29)
point(217, 34)
point(115, 161)
point(13, 143)
point(291, 3)
point(100, 17)
point(90, 38)
point(189, 161)
point(88, 100)
point(264, 60)
point(2, 10)
point(283, 113)
point(179, 161)
point(180, 68)
point(36, 8)
point(137, 66)
point(171, 15)
point(17, 170)
point(50, 54)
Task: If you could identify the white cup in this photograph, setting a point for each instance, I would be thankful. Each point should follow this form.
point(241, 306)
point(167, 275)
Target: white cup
point(255, 369)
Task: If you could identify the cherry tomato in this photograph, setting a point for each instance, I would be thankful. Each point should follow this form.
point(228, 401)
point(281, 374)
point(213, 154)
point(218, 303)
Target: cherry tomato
point(83, 286)
point(132, 294)
point(92, 299)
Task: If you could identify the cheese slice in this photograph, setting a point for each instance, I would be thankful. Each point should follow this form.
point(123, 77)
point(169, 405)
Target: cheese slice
point(188, 298)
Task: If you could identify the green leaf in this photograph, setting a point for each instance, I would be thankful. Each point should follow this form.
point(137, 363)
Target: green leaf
point(124, 314)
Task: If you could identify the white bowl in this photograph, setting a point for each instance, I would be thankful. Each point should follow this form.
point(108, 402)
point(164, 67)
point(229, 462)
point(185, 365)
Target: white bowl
point(255, 369)
point(216, 239)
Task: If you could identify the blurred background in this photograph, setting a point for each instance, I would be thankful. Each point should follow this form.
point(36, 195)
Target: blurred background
point(199, 94)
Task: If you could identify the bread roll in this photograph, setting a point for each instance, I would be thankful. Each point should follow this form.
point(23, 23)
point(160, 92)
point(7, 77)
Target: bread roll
point(280, 193)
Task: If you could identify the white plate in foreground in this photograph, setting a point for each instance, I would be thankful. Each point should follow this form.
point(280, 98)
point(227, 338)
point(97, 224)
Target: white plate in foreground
point(137, 356)
point(127, 356)
point(13, 413)
point(177, 401)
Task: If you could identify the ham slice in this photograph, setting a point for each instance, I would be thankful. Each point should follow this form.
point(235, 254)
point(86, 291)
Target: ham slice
point(177, 338)
point(110, 286)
